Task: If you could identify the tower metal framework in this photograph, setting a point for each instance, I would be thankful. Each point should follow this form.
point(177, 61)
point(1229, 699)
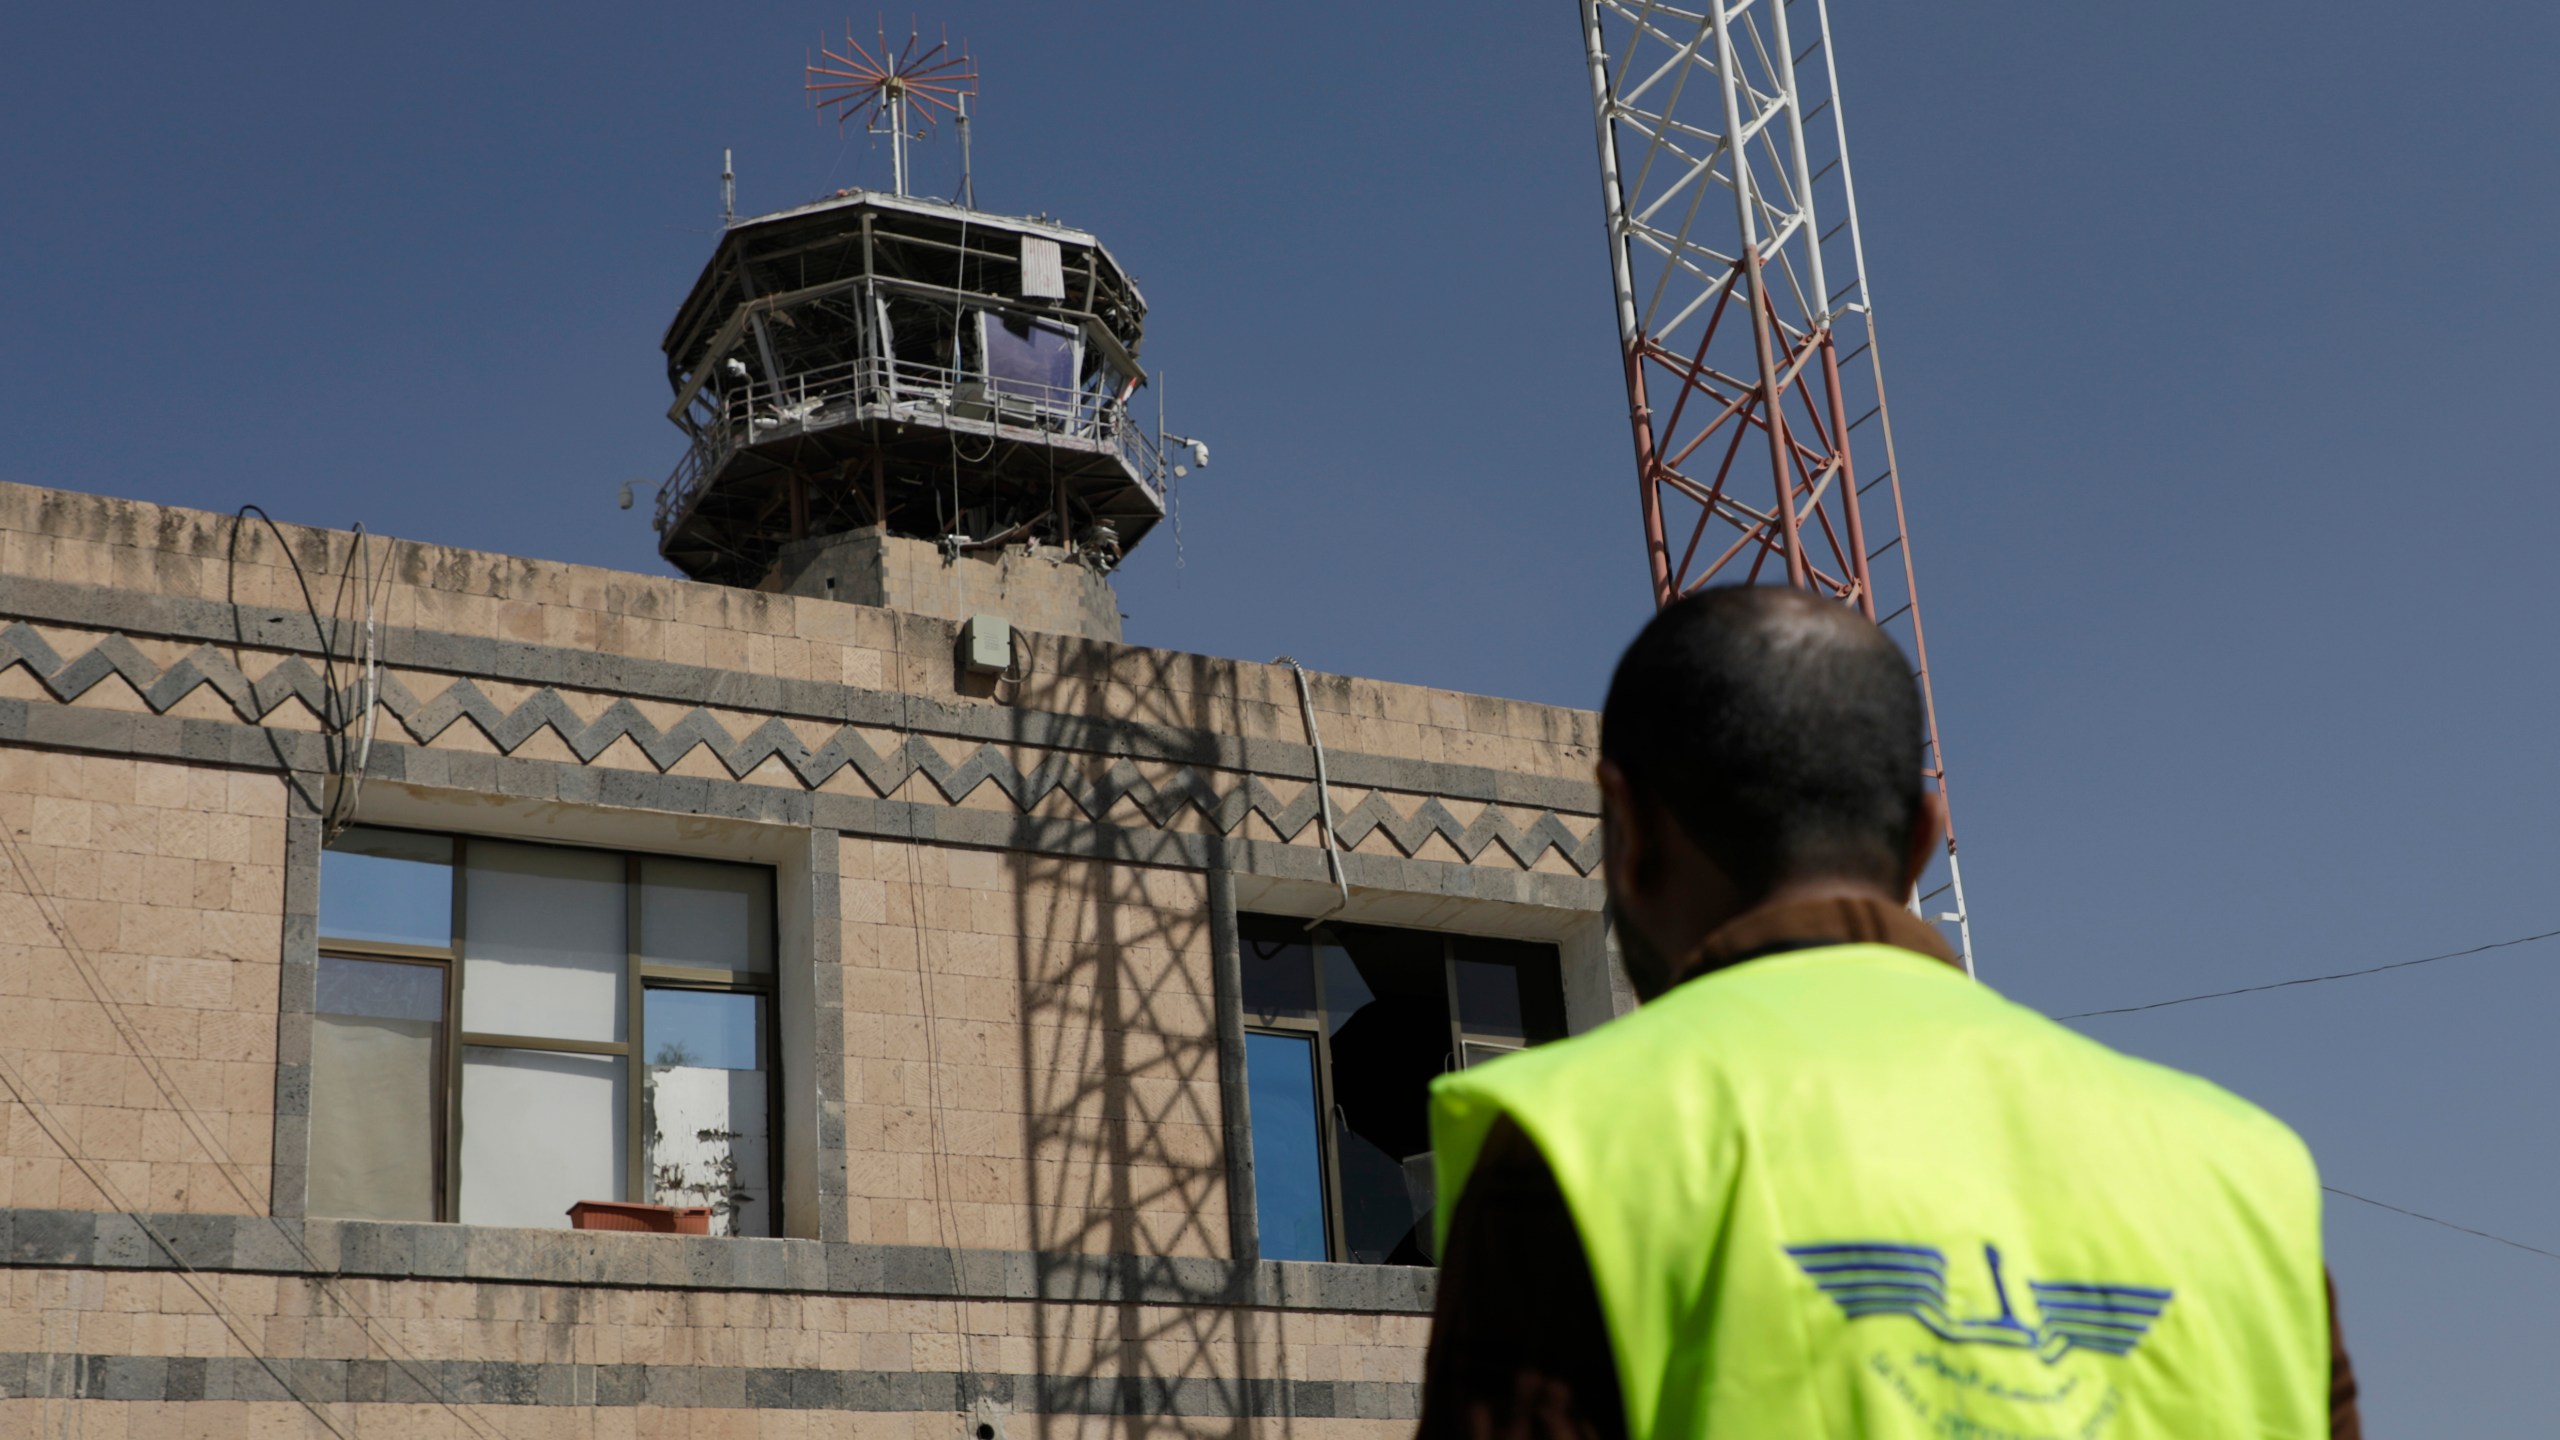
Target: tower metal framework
point(1747, 329)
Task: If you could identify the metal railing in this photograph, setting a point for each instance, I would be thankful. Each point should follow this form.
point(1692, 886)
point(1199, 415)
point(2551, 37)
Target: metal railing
point(832, 394)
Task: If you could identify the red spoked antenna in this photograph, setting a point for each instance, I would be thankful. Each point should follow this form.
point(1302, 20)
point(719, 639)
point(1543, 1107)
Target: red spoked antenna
point(887, 90)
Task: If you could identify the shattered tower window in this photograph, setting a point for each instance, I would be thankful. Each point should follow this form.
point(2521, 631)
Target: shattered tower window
point(507, 1029)
point(1347, 1027)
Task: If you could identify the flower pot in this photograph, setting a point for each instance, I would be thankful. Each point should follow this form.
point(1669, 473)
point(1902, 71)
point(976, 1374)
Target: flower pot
point(645, 1219)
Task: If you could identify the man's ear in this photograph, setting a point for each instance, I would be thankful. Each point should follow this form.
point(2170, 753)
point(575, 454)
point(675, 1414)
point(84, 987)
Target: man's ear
point(1928, 835)
point(1626, 846)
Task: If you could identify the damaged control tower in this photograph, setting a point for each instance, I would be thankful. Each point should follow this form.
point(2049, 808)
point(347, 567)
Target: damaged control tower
point(893, 400)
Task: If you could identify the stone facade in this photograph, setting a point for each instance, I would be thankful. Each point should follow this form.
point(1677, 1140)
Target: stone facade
point(1039, 588)
point(1014, 1190)
point(171, 879)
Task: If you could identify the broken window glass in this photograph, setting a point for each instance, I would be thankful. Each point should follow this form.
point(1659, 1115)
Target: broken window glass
point(1386, 995)
point(1373, 1015)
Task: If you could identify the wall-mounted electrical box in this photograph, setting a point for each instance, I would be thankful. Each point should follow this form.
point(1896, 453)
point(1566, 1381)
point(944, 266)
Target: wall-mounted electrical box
point(986, 645)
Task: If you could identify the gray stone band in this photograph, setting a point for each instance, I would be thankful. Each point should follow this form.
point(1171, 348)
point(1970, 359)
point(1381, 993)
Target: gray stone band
point(252, 1244)
point(161, 1378)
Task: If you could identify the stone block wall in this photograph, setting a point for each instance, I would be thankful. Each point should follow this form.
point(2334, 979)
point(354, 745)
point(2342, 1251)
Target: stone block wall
point(1031, 1054)
point(1007, 911)
point(167, 882)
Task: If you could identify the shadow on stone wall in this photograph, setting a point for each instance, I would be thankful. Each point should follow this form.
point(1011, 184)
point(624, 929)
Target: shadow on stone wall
point(1123, 1138)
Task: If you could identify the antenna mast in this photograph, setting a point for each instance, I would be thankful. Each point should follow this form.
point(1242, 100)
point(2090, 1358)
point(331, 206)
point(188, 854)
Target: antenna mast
point(894, 91)
point(728, 189)
point(1735, 258)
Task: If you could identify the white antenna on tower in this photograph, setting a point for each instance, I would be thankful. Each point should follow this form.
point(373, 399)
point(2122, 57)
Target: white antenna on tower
point(728, 191)
point(968, 190)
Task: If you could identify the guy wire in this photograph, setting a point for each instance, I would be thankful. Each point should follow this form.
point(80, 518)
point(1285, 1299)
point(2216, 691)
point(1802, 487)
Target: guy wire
point(2449, 1225)
point(2311, 979)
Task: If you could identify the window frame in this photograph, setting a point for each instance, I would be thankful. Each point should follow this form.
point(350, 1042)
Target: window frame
point(639, 977)
point(1328, 1120)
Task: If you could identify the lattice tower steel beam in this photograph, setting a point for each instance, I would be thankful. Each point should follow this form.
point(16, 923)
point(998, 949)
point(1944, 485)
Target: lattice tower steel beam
point(1723, 158)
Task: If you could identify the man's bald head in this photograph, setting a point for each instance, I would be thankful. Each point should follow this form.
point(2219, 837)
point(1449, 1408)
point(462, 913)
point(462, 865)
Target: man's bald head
point(1780, 730)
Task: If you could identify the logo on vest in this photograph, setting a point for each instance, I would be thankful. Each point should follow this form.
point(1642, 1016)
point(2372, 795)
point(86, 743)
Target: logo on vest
point(1874, 1277)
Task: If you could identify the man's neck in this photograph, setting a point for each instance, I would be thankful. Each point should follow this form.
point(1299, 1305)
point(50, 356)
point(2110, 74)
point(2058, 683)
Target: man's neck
point(1801, 915)
point(1824, 887)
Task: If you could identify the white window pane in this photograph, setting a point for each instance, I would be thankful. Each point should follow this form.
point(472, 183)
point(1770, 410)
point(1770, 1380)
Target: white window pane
point(543, 942)
point(541, 1131)
point(708, 1145)
point(373, 1117)
point(714, 916)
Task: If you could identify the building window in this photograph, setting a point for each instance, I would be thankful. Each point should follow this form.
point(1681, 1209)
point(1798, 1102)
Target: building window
point(1346, 1026)
point(482, 1006)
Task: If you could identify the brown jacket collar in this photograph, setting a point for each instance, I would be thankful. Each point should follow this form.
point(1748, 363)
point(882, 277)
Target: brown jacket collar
point(1805, 924)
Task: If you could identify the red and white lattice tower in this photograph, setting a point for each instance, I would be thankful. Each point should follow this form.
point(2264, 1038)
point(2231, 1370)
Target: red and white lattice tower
point(1754, 384)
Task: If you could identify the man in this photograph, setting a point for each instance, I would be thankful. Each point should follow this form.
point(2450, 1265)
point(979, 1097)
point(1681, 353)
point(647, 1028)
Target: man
point(1821, 1183)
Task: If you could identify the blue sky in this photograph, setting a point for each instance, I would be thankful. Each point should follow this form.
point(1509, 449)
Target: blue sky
point(2220, 340)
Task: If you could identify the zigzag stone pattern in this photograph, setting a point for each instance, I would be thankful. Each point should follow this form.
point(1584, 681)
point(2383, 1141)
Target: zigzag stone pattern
point(293, 678)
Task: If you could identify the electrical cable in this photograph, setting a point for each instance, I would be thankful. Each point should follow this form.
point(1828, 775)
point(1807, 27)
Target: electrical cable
point(2311, 979)
point(187, 1275)
point(1324, 792)
point(346, 778)
point(202, 1131)
point(933, 1089)
point(372, 672)
point(2449, 1225)
point(344, 758)
point(310, 607)
point(2350, 975)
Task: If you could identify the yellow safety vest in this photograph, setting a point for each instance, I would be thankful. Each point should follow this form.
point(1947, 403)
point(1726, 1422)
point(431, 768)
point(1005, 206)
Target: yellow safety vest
point(1848, 1192)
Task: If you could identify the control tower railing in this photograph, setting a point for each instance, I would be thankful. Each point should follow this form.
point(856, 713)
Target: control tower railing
point(878, 388)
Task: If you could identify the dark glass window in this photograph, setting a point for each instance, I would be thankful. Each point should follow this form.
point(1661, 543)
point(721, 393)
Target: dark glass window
point(1348, 1026)
point(1509, 989)
point(1279, 977)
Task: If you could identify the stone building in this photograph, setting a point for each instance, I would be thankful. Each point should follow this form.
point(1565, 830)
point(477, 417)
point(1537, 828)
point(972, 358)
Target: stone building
point(978, 1006)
